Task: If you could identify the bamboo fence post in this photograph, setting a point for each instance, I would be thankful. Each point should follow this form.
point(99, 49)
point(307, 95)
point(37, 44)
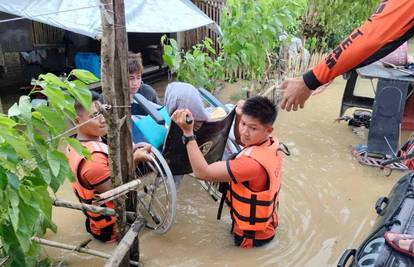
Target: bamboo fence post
point(125, 244)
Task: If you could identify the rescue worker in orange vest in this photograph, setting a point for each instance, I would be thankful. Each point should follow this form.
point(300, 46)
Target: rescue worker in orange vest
point(92, 176)
point(388, 28)
point(253, 177)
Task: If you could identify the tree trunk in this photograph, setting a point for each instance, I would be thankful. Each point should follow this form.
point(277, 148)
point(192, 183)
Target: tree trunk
point(115, 90)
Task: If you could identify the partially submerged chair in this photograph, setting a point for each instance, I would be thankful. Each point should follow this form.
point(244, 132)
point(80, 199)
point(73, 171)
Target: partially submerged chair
point(156, 126)
point(211, 138)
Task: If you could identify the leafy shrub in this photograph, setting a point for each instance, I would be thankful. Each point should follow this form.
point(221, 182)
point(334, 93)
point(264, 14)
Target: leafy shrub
point(31, 163)
point(253, 29)
point(326, 22)
point(196, 66)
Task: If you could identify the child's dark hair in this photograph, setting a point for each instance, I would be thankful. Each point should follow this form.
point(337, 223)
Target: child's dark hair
point(95, 97)
point(135, 63)
point(260, 108)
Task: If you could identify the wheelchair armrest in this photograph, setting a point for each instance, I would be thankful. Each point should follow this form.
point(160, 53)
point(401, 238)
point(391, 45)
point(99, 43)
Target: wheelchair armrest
point(149, 108)
point(210, 98)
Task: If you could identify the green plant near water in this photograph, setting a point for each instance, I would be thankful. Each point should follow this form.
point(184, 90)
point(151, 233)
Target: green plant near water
point(252, 32)
point(196, 66)
point(326, 22)
point(31, 164)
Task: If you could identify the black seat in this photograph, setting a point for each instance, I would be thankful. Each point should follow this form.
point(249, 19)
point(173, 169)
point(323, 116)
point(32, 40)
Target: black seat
point(387, 115)
point(211, 138)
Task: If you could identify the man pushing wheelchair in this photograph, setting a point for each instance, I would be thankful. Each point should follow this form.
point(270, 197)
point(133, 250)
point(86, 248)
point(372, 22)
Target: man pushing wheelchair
point(252, 177)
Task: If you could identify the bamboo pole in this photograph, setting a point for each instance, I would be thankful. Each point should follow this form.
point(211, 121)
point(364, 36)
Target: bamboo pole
point(125, 244)
point(91, 208)
point(78, 249)
point(4, 260)
point(116, 192)
point(84, 207)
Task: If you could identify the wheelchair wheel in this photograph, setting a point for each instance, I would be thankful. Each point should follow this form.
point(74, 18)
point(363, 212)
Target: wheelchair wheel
point(213, 187)
point(157, 195)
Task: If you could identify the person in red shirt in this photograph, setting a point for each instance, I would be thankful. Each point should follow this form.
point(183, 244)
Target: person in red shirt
point(93, 176)
point(253, 177)
point(389, 27)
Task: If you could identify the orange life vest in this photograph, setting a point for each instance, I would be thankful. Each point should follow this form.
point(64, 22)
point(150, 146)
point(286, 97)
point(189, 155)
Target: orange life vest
point(100, 226)
point(254, 211)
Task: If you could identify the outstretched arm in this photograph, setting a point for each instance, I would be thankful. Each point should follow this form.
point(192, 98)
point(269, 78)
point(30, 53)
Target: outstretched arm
point(390, 26)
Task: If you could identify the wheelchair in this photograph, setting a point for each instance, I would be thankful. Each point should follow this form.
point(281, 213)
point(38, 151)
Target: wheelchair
point(151, 124)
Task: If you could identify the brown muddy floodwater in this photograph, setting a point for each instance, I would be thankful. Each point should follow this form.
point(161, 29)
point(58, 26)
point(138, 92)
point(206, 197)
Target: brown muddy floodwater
point(327, 203)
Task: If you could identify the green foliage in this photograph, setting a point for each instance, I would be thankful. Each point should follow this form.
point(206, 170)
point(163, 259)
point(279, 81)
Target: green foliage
point(31, 164)
point(196, 66)
point(252, 30)
point(327, 22)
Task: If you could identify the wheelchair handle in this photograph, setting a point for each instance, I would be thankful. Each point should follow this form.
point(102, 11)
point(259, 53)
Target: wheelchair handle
point(345, 257)
point(188, 119)
point(149, 109)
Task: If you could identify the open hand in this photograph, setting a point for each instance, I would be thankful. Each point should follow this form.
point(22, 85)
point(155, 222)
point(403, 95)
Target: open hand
point(295, 93)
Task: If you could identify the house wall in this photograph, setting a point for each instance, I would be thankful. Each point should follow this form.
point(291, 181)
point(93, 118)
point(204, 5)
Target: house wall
point(25, 36)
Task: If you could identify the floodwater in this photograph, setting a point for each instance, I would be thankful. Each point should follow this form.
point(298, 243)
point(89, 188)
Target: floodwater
point(326, 206)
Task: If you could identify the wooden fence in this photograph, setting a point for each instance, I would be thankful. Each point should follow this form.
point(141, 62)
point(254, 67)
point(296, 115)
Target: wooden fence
point(46, 34)
point(297, 66)
point(213, 9)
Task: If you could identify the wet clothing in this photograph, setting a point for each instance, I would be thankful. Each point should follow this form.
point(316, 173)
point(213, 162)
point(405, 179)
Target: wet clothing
point(389, 27)
point(88, 175)
point(238, 241)
point(252, 195)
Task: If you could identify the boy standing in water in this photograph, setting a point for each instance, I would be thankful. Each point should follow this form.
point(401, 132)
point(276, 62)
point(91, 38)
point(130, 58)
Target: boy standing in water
point(92, 176)
point(253, 177)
